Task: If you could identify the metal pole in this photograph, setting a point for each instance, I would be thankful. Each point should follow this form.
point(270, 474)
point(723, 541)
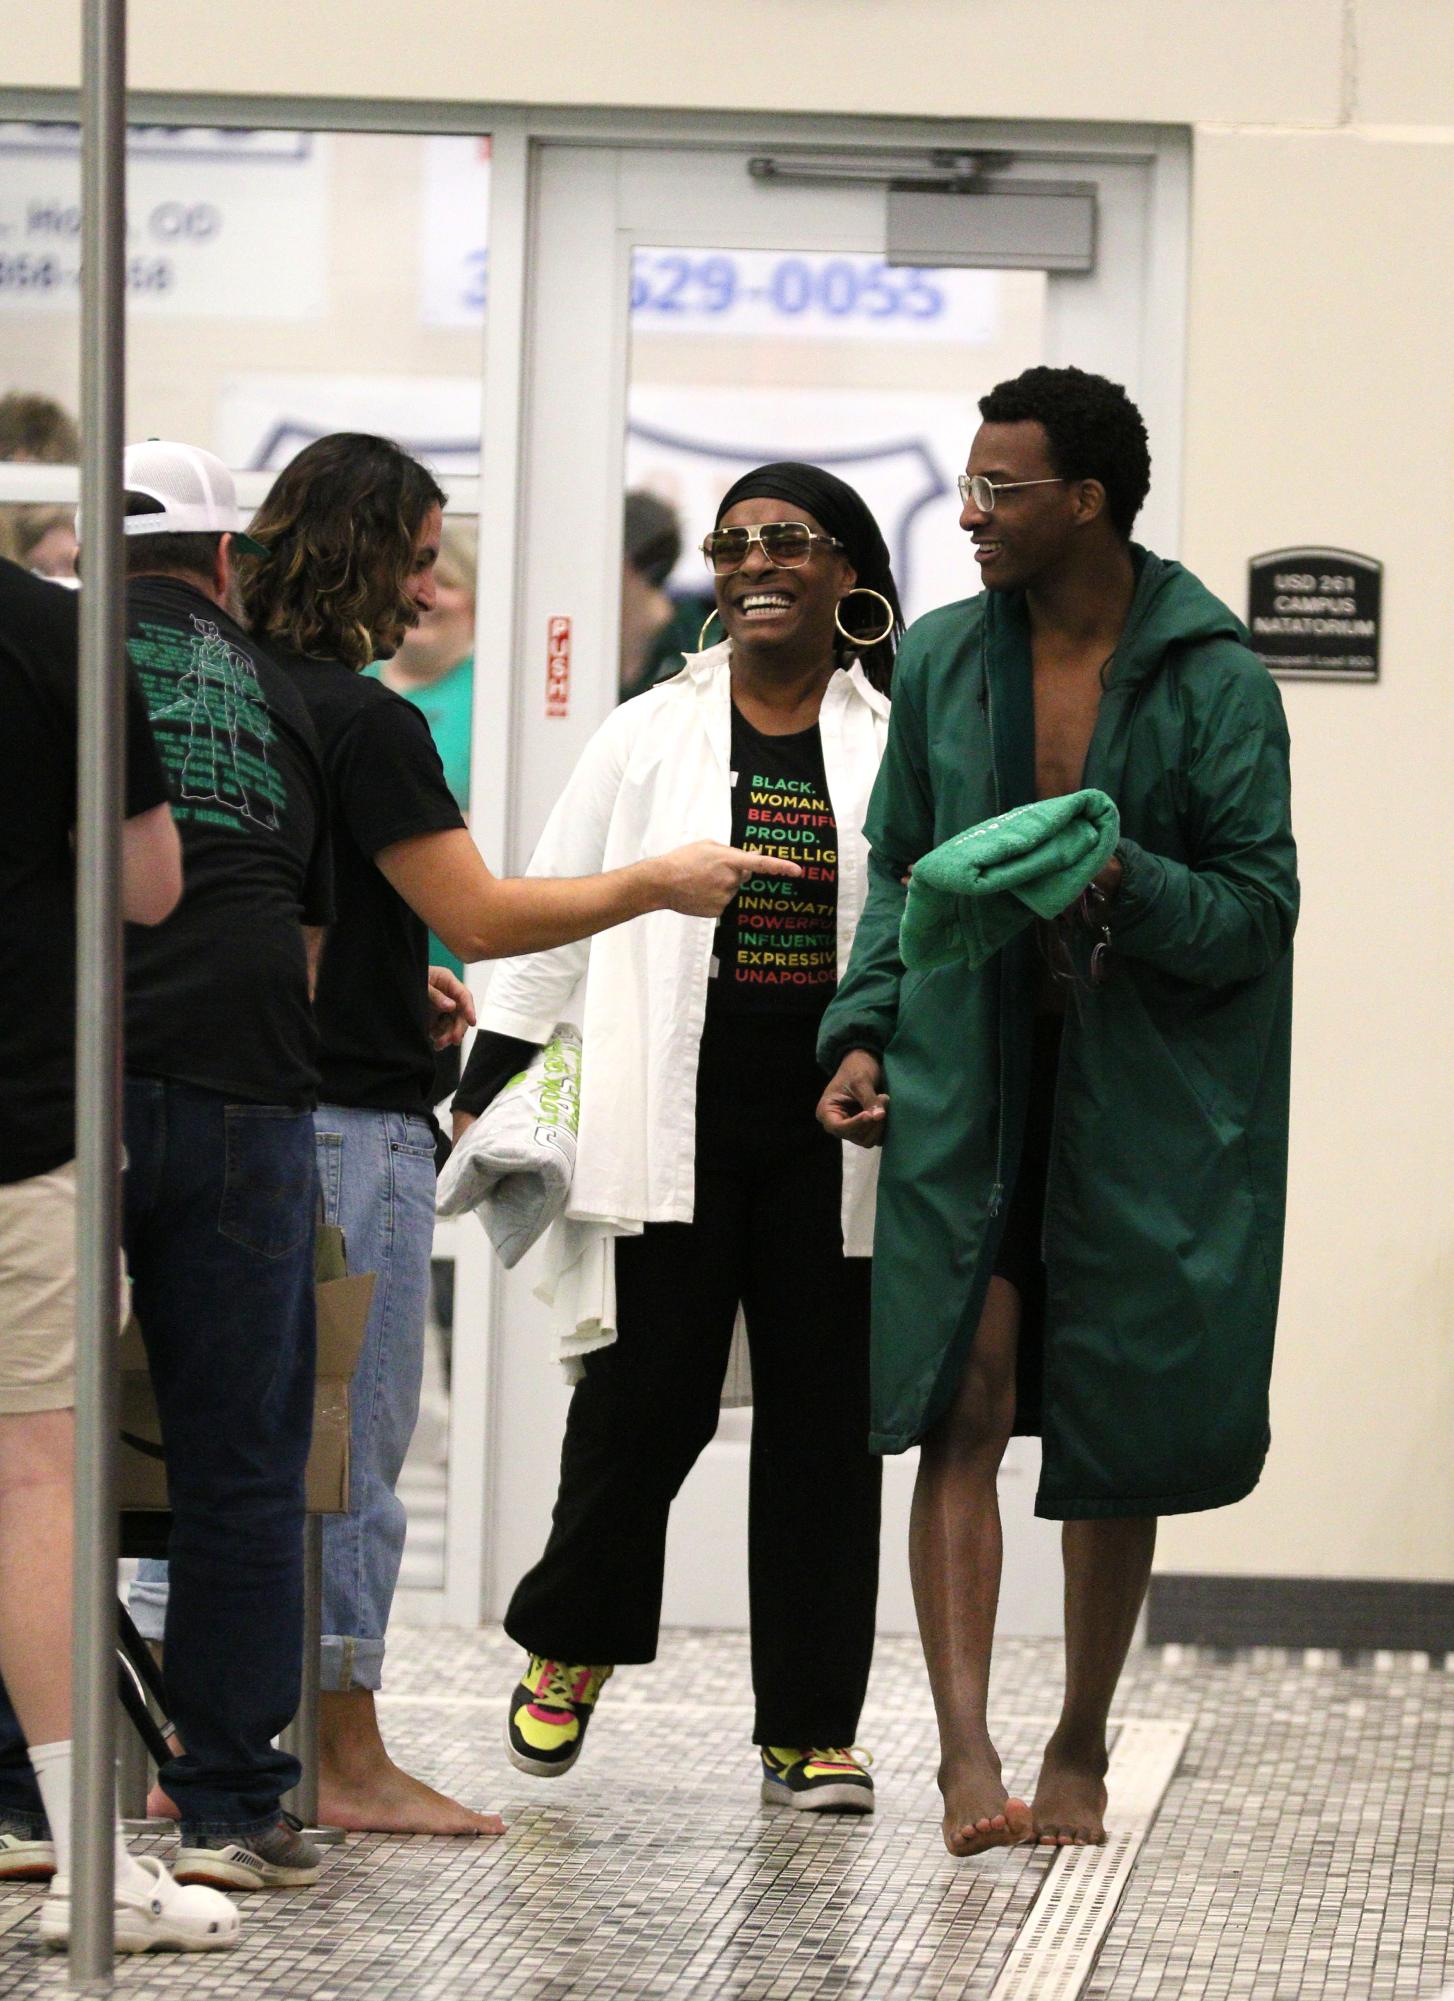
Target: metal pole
point(301, 1735)
point(98, 983)
point(133, 1772)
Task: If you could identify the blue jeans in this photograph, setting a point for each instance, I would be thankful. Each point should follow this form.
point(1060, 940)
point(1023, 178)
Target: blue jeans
point(376, 1170)
point(218, 1226)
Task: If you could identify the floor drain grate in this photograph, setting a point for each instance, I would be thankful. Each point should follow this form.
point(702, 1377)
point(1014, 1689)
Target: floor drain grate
point(1052, 1958)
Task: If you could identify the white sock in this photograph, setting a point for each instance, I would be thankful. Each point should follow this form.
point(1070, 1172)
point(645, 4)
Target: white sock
point(52, 1766)
point(129, 1873)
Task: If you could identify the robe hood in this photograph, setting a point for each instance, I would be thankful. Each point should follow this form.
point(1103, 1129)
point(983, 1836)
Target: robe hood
point(1171, 610)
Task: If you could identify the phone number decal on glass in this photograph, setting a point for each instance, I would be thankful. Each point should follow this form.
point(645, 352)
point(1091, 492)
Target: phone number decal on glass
point(808, 293)
point(25, 272)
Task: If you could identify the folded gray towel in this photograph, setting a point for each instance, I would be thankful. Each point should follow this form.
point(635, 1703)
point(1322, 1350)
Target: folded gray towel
point(513, 1167)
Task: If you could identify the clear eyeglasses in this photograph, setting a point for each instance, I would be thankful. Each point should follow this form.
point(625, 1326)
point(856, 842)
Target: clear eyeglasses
point(787, 545)
point(983, 492)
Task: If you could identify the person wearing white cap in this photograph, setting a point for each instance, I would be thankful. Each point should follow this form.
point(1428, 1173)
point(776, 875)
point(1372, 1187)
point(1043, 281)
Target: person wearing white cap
point(220, 1191)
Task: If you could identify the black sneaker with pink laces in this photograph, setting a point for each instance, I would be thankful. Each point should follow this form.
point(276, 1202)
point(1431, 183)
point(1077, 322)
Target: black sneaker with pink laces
point(832, 1781)
point(552, 1704)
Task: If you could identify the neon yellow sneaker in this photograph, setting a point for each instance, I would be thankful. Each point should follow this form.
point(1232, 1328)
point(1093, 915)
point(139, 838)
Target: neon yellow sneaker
point(549, 1710)
point(817, 1781)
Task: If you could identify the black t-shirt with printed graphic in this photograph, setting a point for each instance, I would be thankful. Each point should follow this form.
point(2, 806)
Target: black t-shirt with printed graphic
point(385, 784)
point(218, 995)
point(38, 720)
point(777, 941)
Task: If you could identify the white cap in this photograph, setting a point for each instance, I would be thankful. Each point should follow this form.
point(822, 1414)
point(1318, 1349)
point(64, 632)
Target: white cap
point(194, 491)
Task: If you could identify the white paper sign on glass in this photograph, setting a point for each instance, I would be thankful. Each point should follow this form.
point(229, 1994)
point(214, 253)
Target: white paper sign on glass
point(453, 261)
point(219, 223)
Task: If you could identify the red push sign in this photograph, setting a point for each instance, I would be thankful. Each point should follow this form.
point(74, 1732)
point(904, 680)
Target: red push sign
point(557, 668)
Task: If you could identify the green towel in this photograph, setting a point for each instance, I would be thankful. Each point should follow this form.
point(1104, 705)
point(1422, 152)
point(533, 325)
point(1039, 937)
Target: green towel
point(973, 892)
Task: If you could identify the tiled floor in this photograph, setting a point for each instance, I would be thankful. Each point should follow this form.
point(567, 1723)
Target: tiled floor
point(1301, 1852)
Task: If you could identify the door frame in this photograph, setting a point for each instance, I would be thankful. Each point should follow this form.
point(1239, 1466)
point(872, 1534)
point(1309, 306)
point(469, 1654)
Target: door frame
point(523, 163)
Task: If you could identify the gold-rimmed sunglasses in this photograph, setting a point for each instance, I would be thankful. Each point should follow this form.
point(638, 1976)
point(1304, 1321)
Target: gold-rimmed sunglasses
point(787, 545)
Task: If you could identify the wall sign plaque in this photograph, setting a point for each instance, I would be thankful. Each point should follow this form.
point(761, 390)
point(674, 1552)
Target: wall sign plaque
point(1314, 613)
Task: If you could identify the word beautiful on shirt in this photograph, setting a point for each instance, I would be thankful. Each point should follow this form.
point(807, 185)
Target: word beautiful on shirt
point(787, 927)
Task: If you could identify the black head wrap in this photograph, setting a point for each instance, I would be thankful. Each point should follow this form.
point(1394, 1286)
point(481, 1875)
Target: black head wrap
point(842, 512)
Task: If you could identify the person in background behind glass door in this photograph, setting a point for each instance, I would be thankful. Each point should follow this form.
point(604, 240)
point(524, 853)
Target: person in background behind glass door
point(434, 668)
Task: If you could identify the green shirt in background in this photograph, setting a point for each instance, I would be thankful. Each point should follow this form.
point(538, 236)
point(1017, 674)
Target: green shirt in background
point(447, 705)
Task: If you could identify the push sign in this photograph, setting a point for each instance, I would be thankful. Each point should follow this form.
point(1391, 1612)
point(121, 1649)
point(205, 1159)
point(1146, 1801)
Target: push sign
point(1313, 613)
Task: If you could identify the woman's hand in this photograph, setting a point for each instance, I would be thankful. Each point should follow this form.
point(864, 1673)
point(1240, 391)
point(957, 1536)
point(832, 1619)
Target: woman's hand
point(452, 1006)
point(855, 1105)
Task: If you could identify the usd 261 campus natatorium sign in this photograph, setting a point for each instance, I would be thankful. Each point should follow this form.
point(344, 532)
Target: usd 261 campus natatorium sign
point(1314, 613)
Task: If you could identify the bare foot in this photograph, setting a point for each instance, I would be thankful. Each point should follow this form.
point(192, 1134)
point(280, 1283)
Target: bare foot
point(978, 1814)
point(361, 1788)
point(389, 1801)
point(1070, 1799)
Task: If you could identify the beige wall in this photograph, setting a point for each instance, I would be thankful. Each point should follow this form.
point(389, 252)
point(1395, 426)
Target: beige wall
point(1320, 407)
point(1157, 59)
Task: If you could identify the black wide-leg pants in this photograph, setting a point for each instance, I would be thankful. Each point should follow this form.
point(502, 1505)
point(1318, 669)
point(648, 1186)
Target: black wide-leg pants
point(767, 1233)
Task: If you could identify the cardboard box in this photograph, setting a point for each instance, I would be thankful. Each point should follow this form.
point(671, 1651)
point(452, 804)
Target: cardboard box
point(343, 1312)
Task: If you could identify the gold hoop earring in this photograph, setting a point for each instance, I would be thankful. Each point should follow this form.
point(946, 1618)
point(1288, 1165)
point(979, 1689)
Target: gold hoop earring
point(859, 638)
point(702, 635)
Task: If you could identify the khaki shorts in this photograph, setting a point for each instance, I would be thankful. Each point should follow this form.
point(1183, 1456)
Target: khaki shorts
point(38, 1292)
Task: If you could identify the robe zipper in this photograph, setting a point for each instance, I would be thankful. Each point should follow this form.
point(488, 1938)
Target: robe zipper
point(997, 1191)
point(1054, 1161)
point(1051, 1176)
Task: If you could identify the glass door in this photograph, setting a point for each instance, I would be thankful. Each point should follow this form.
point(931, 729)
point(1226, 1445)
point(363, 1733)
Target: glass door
point(261, 317)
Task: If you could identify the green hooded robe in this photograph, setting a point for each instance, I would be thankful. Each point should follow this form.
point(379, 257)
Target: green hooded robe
point(1165, 1197)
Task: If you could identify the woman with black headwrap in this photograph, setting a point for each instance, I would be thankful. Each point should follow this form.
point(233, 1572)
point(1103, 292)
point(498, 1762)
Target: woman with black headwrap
point(702, 1182)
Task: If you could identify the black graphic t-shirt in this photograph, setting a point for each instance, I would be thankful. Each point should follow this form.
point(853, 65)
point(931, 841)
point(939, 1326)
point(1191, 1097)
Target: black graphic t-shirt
point(38, 722)
point(218, 995)
point(777, 941)
point(385, 784)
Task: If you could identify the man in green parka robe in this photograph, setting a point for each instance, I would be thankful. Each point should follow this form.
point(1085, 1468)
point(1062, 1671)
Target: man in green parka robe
point(1081, 1200)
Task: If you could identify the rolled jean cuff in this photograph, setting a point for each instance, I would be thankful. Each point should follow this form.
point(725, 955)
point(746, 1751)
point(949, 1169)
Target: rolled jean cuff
point(215, 1831)
point(147, 1603)
point(347, 1662)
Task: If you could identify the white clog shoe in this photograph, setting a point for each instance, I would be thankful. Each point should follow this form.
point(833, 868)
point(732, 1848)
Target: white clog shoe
point(159, 1915)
